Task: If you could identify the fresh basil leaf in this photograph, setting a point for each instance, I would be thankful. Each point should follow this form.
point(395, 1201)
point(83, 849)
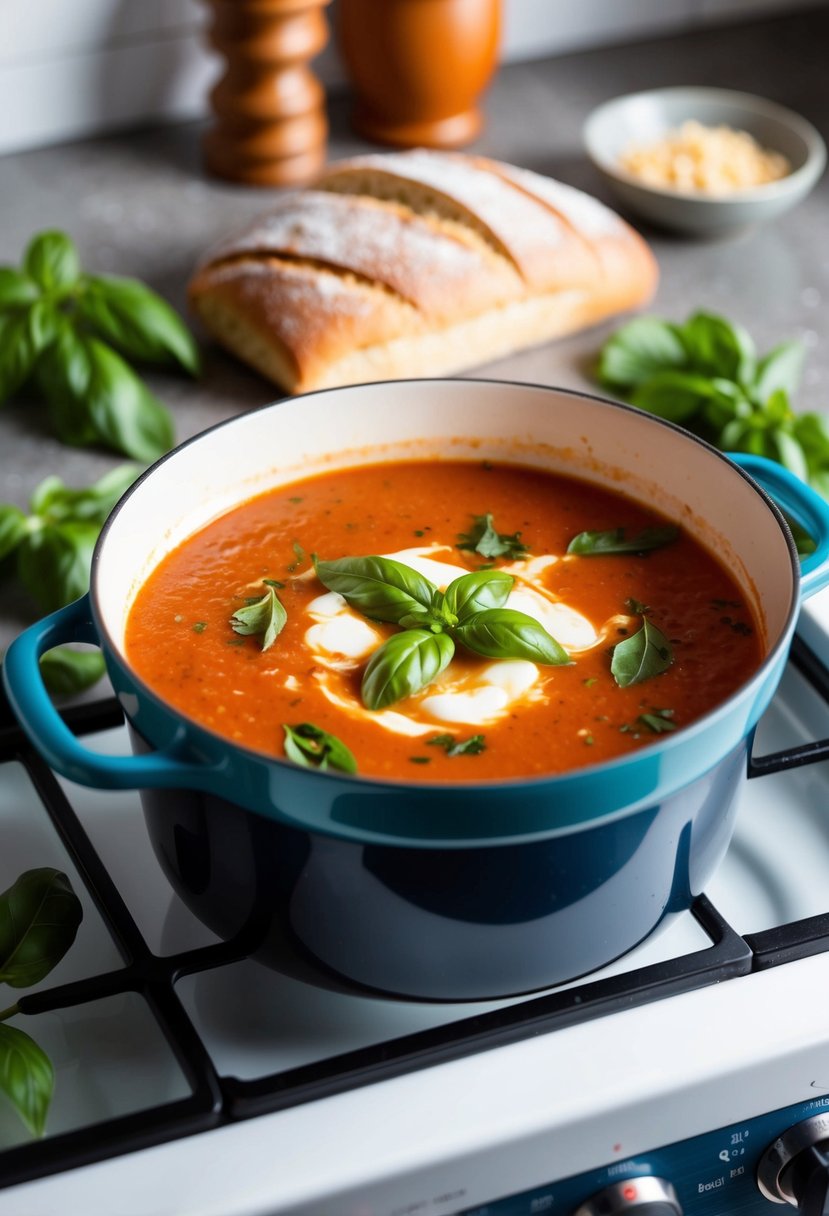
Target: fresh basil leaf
point(95, 397)
point(26, 1077)
point(502, 633)
point(13, 527)
point(312, 747)
point(473, 593)
point(382, 589)
point(137, 321)
point(638, 351)
point(676, 396)
point(17, 290)
point(53, 562)
point(473, 746)
point(602, 544)
point(51, 259)
point(781, 368)
point(66, 671)
point(57, 502)
point(266, 617)
point(126, 415)
point(644, 654)
point(727, 401)
point(717, 347)
point(39, 919)
point(19, 350)
point(789, 453)
point(485, 540)
point(45, 320)
point(63, 377)
point(403, 665)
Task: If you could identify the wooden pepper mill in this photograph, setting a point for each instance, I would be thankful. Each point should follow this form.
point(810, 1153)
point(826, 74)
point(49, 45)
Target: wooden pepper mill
point(271, 127)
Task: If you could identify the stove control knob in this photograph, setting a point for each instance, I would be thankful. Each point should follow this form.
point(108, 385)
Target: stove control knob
point(795, 1168)
point(646, 1196)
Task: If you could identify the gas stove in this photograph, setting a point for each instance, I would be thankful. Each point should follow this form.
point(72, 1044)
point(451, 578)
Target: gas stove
point(192, 1081)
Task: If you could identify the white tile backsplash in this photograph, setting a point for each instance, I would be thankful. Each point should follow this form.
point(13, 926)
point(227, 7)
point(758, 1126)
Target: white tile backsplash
point(117, 62)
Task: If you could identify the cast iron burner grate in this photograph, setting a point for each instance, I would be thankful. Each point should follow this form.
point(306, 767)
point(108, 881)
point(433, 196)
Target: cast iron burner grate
point(216, 1099)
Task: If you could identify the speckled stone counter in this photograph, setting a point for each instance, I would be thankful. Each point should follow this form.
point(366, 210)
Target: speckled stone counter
point(140, 205)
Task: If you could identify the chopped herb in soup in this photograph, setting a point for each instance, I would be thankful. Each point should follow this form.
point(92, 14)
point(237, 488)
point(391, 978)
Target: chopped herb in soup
point(448, 620)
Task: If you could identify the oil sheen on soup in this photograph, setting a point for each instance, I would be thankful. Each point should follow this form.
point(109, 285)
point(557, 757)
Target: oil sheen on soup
point(442, 620)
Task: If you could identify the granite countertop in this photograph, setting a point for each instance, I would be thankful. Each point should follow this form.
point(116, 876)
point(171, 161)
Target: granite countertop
point(139, 204)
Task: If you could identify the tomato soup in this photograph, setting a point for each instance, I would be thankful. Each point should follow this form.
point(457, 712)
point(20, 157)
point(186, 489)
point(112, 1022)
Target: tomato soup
point(333, 622)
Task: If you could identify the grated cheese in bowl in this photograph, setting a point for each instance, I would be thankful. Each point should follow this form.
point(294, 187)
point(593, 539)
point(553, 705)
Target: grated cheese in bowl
point(709, 160)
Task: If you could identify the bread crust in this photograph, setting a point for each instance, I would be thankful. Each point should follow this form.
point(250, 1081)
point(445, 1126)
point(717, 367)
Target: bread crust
point(416, 264)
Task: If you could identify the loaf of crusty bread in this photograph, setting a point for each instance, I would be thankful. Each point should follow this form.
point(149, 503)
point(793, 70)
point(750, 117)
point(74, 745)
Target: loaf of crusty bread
point(416, 264)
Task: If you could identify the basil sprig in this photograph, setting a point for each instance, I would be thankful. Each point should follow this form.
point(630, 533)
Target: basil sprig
point(71, 333)
point(470, 612)
point(616, 540)
point(644, 654)
point(39, 919)
point(706, 375)
point(50, 550)
point(312, 747)
point(264, 617)
point(488, 542)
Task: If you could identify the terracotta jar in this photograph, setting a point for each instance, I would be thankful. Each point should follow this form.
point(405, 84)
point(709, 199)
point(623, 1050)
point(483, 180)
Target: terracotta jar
point(418, 67)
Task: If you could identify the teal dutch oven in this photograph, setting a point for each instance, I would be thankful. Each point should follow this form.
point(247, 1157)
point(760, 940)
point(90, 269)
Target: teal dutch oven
point(418, 889)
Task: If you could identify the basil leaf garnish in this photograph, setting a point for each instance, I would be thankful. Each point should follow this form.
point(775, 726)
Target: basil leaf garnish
point(382, 589)
point(403, 665)
point(502, 633)
point(616, 540)
point(644, 654)
point(660, 721)
point(476, 592)
point(39, 918)
point(266, 617)
point(473, 746)
point(485, 540)
point(26, 1077)
point(312, 747)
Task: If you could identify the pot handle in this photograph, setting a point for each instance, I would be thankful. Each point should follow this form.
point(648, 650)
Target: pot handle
point(803, 504)
point(52, 737)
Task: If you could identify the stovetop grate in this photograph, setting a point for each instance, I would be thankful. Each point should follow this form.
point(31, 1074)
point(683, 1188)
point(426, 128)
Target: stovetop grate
point(216, 1099)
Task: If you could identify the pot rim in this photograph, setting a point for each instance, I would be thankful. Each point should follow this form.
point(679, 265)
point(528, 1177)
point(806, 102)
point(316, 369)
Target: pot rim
point(617, 766)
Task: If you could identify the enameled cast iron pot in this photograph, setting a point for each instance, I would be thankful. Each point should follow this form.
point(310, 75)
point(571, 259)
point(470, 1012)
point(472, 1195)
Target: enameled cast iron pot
point(420, 889)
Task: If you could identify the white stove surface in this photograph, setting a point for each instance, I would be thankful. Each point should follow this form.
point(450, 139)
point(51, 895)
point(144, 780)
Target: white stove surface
point(432, 1137)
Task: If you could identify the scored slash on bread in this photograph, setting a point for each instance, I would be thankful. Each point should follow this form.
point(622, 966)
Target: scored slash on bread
point(416, 264)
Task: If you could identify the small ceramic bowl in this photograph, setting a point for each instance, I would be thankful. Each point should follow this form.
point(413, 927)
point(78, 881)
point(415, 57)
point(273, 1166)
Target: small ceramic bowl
point(642, 118)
